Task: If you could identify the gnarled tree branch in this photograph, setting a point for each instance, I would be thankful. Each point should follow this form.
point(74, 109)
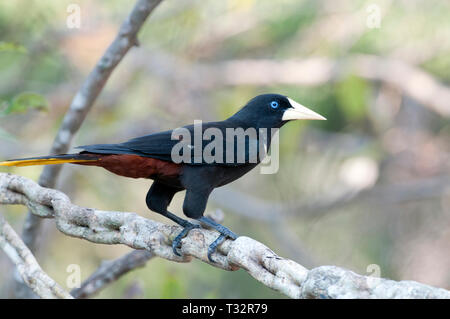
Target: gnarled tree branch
point(110, 271)
point(84, 99)
point(283, 275)
point(27, 266)
point(81, 104)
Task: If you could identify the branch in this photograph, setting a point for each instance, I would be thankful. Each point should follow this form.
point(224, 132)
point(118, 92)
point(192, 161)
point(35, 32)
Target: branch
point(283, 275)
point(27, 266)
point(110, 271)
point(85, 98)
point(81, 104)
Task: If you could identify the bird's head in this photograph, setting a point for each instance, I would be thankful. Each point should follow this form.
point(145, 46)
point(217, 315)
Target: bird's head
point(273, 111)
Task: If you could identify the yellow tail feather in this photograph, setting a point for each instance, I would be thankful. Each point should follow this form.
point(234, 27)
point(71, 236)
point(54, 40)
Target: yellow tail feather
point(45, 161)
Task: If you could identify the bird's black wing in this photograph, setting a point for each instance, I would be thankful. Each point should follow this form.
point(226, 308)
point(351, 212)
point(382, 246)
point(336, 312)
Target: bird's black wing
point(157, 145)
point(160, 146)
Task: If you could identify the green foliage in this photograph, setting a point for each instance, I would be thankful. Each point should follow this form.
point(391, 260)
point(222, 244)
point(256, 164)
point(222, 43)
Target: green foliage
point(21, 103)
point(26, 101)
point(11, 47)
point(351, 95)
point(439, 66)
point(173, 287)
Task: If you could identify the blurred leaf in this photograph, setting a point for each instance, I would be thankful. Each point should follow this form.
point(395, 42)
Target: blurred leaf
point(351, 95)
point(26, 101)
point(439, 66)
point(172, 288)
point(12, 47)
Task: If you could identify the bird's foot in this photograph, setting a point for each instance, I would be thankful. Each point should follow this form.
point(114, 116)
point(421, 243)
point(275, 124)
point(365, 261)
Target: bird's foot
point(177, 241)
point(224, 234)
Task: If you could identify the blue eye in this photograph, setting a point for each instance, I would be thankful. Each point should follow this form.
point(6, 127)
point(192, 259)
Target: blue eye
point(274, 104)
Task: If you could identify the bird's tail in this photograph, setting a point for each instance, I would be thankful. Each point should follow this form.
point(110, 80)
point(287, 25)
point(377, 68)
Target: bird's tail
point(54, 159)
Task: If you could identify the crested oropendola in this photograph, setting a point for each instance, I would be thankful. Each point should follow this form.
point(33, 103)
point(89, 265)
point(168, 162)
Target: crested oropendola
point(152, 156)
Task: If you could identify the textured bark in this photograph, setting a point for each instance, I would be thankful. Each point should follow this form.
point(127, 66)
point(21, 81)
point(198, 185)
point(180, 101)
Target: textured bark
point(283, 275)
point(81, 104)
point(110, 271)
point(27, 266)
point(85, 98)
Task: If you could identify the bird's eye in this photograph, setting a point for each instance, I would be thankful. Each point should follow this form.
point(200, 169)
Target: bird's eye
point(274, 104)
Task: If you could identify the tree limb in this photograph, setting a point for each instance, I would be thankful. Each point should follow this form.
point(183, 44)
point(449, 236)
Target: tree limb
point(110, 271)
point(27, 266)
point(283, 275)
point(84, 99)
point(81, 104)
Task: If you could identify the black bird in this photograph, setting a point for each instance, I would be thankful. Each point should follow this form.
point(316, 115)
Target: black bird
point(189, 168)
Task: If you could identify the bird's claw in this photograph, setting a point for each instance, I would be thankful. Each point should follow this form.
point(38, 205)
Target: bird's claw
point(224, 234)
point(176, 243)
point(213, 247)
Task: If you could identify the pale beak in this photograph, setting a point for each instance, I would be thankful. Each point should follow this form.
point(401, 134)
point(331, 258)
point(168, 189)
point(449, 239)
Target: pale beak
point(300, 112)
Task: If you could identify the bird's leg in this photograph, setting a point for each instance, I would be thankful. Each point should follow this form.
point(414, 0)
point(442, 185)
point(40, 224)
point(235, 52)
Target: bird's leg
point(158, 199)
point(194, 206)
point(224, 233)
point(187, 226)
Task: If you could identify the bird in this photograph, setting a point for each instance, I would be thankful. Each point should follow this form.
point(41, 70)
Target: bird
point(194, 166)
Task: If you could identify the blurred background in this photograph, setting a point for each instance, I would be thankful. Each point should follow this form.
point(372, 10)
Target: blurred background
point(368, 190)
